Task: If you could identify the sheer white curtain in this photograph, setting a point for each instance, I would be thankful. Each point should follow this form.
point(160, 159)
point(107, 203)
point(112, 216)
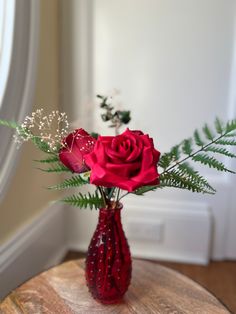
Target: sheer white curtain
point(19, 24)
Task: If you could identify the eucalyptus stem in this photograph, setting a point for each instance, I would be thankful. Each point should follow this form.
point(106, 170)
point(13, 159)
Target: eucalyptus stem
point(118, 125)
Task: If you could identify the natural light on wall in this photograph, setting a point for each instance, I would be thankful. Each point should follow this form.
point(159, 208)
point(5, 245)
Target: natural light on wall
point(7, 10)
point(2, 6)
point(19, 24)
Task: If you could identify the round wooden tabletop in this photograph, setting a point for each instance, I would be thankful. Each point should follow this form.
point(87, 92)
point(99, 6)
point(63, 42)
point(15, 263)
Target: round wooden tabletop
point(154, 289)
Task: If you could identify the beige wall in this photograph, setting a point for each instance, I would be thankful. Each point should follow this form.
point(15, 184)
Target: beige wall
point(26, 196)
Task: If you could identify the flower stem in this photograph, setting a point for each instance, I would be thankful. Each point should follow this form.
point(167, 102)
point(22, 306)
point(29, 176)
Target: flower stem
point(123, 196)
point(117, 197)
point(111, 193)
point(102, 195)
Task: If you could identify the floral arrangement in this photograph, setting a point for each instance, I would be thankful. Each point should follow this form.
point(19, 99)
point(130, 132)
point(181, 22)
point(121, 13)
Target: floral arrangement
point(124, 163)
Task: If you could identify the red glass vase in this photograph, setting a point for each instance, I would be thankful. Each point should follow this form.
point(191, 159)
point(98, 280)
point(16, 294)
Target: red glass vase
point(108, 262)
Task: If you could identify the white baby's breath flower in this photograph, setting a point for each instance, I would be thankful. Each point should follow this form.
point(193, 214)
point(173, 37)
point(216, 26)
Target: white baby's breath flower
point(50, 129)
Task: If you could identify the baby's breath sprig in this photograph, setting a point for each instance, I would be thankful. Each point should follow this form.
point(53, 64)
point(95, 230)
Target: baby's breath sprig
point(51, 128)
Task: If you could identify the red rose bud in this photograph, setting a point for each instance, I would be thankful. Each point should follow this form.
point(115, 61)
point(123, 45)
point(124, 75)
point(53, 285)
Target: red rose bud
point(127, 161)
point(75, 146)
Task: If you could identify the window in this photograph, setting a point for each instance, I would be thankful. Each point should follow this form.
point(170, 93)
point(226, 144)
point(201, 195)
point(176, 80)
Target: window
point(19, 23)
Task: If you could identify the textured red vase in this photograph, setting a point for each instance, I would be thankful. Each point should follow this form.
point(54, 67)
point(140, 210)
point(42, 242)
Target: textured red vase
point(108, 262)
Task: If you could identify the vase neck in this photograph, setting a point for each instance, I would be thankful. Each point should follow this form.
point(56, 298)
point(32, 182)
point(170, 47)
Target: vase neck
point(106, 214)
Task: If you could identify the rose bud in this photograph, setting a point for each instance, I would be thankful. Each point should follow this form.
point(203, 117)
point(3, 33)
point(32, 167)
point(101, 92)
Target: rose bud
point(75, 146)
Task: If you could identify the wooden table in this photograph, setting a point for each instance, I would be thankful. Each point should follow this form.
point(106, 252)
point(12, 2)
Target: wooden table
point(154, 289)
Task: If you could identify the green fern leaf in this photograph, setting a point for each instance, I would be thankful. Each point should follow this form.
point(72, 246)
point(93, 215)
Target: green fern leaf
point(197, 138)
point(186, 170)
point(175, 179)
point(211, 162)
point(230, 135)
point(48, 160)
point(75, 181)
point(9, 124)
point(56, 168)
point(187, 146)
point(208, 133)
point(231, 126)
point(144, 189)
point(175, 152)
point(23, 132)
point(40, 144)
point(226, 142)
point(220, 150)
point(84, 201)
point(219, 126)
point(165, 160)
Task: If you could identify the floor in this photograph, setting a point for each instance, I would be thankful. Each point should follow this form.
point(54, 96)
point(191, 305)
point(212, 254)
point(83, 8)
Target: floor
point(218, 277)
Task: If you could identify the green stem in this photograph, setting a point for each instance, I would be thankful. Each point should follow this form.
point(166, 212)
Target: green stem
point(103, 196)
point(118, 125)
point(111, 193)
point(123, 196)
point(117, 197)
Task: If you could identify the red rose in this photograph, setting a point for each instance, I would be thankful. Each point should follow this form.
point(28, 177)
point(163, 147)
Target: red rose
point(75, 146)
point(127, 161)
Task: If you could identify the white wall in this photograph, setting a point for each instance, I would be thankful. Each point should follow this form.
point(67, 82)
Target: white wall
point(172, 60)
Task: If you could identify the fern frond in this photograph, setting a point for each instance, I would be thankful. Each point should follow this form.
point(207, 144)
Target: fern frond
point(208, 133)
point(165, 160)
point(219, 126)
point(199, 149)
point(175, 152)
point(84, 201)
point(220, 150)
point(9, 124)
point(185, 177)
point(187, 146)
point(42, 145)
point(175, 179)
point(48, 160)
point(56, 168)
point(186, 170)
point(23, 132)
point(230, 126)
point(197, 138)
point(144, 189)
point(230, 135)
point(75, 181)
point(226, 142)
point(211, 162)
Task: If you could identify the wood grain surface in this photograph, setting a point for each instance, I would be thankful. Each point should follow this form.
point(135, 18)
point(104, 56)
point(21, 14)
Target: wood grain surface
point(154, 289)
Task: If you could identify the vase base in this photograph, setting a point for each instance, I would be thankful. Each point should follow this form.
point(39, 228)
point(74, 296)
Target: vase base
point(108, 299)
point(107, 302)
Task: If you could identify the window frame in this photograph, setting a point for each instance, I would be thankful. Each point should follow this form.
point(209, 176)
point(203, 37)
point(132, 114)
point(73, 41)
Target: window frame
point(18, 76)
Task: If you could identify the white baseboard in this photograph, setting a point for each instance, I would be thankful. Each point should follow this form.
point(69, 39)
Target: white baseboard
point(160, 230)
point(36, 247)
point(167, 230)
